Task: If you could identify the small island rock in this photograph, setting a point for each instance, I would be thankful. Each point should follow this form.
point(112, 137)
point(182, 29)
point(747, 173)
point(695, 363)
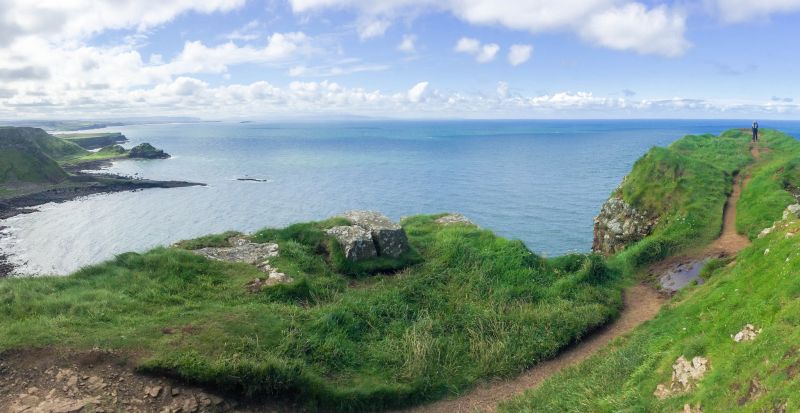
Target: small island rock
point(147, 151)
point(390, 238)
point(356, 242)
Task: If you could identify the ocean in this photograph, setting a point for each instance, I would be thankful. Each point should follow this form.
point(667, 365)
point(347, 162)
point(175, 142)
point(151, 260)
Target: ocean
point(538, 181)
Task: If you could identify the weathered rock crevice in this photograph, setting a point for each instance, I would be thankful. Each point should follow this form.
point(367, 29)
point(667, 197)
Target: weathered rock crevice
point(619, 225)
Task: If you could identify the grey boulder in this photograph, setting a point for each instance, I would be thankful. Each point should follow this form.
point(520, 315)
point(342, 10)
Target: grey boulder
point(390, 238)
point(356, 242)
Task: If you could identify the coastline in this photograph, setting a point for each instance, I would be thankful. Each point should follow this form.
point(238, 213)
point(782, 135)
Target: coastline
point(85, 183)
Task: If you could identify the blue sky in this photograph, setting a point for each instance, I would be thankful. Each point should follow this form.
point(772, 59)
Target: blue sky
point(265, 59)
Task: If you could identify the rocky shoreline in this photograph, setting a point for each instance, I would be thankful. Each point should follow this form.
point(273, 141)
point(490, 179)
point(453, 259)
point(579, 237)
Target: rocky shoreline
point(85, 183)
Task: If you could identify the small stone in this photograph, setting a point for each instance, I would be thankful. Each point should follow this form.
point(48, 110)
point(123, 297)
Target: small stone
point(748, 333)
point(154, 391)
point(766, 251)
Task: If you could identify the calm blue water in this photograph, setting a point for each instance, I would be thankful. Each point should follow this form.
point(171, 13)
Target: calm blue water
point(538, 181)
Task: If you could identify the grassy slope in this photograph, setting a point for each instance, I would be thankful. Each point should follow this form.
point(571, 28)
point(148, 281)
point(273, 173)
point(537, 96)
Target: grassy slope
point(765, 198)
point(686, 185)
point(479, 306)
point(30, 155)
point(759, 289)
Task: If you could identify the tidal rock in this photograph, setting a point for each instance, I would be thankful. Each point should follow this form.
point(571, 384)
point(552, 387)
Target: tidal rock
point(619, 225)
point(390, 238)
point(356, 242)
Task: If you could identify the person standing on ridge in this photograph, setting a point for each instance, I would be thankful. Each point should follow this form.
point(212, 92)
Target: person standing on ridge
point(755, 131)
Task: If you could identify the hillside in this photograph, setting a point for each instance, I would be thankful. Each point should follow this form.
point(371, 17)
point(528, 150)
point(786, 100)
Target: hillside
point(28, 155)
point(756, 371)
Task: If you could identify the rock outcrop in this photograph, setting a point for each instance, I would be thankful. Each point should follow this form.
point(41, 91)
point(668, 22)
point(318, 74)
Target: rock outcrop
point(356, 242)
point(389, 237)
point(147, 151)
point(685, 375)
point(619, 225)
point(451, 219)
point(241, 250)
point(371, 235)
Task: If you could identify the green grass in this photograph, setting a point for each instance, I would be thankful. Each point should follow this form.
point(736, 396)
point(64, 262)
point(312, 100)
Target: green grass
point(473, 306)
point(765, 197)
point(29, 155)
point(213, 240)
point(685, 185)
point(759, 287)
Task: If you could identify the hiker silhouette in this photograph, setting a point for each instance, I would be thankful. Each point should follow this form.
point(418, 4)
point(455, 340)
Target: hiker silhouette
point(755, 131)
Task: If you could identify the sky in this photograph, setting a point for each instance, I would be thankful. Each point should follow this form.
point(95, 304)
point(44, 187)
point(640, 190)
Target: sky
point(277, 59)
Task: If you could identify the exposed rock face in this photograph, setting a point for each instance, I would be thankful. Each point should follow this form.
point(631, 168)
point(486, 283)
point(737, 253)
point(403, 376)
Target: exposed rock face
point(356, 242)
point(619, 225)
point(147, 151)
point(241, 250)
point(245, 251)
point(390, 238)
point(790, 213)
point(685, 375)
point(451, 219)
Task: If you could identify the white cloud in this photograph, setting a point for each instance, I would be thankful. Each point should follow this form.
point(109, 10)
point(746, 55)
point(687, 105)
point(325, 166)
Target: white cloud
point(66, 20)
point(417, 93)
point(502, 89)
point(661, 25)
point(407, 45)
point(370, 28)
point(187, 86)
point(634, 27)
point(519, 54)
point(737, 11)
point(483, 53)
point(488, 53)
point(468, 45)
point(248, 32)
point(196, 57)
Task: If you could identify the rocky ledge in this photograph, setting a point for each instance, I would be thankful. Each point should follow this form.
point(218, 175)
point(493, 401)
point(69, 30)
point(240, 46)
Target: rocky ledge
point(619, 225)
point(371, 235)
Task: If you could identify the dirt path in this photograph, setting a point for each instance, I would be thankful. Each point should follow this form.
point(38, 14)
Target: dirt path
point(641, 304)
point(730, 242)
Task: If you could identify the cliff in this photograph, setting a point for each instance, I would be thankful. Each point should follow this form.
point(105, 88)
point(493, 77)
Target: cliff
point(94, 140)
